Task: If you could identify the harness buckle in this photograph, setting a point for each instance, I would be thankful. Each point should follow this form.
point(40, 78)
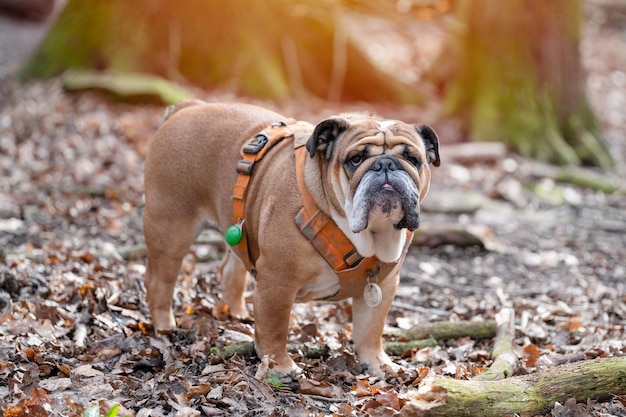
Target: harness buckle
point(256, 145)
point(352, 258)
point(244, 167)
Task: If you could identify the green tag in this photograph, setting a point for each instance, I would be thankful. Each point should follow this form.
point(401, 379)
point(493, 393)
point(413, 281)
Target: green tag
point(233, 235)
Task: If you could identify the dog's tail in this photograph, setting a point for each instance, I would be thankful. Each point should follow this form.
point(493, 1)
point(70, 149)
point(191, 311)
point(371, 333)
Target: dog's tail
point(183, 104)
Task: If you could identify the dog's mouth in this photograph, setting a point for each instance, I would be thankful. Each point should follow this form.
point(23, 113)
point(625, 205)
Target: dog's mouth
point(385, 198)
point(387, 201)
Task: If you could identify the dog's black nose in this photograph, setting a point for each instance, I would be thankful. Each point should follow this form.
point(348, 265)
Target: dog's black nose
point(385, 163)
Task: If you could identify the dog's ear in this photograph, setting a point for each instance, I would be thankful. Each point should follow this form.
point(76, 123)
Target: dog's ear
point(432, 143)
point(324, 136)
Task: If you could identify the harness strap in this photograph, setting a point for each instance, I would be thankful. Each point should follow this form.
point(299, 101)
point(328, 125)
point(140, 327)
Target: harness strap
point(251, 152)
point(319, 228)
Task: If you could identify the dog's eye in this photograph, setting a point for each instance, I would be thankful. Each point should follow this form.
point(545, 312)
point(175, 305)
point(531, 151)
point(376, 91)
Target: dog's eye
point(355, 160)
point(413, 159)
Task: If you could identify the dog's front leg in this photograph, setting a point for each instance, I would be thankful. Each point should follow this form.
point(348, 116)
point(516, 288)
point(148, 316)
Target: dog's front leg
point(233, 277)
point(368, 324)
point(272, 308)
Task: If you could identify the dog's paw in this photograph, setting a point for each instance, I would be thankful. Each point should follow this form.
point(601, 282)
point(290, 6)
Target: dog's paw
point(270, 368)
point(239, 311)
point(379, 364)
point(163, 321)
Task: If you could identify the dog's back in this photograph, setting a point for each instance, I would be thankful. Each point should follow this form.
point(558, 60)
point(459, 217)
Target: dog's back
point(182, 105)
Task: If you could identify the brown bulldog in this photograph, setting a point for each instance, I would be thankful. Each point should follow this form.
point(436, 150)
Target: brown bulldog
point(321, 212)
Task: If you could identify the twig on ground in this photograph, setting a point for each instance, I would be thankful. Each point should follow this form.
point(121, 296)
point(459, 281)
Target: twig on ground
point(505, 360)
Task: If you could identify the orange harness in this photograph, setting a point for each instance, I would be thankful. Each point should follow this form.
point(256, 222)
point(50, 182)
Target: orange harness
point(353, 270)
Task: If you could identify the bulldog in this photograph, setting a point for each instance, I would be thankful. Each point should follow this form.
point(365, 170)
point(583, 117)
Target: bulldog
point(327, 213)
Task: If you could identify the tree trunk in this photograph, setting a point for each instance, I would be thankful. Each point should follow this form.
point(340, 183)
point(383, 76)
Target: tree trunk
point(519, 80)
point(275, 49)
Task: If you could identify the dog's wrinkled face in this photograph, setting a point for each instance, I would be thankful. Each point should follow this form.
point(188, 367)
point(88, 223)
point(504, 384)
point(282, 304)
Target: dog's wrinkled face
point(376, 171)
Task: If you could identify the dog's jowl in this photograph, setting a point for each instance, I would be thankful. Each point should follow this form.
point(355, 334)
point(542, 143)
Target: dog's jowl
point(313, 212)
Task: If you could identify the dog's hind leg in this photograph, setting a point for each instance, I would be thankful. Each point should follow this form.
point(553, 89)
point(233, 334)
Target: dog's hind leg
point(168, 239)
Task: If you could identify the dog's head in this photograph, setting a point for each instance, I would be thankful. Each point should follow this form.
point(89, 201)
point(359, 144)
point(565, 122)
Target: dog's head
point(375, 171)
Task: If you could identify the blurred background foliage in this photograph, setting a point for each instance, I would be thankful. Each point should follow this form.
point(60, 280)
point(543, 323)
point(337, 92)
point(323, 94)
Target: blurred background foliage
point(509, 71)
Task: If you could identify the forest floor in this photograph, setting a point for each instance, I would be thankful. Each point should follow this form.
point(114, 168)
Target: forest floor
point(75, 338)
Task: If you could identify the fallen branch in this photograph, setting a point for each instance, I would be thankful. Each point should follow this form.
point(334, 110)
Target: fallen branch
point(398, 348)
point(578, 176)
point(132, 252)
point(442, 330)
point(219, 355)
point(504, 358)
point(246, 350)
point(309, 351)
point(417, 337)
point(524, 395)
point(461, 235)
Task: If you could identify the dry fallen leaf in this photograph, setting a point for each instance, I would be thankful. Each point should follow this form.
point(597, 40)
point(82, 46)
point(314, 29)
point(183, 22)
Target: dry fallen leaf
point(321, 388)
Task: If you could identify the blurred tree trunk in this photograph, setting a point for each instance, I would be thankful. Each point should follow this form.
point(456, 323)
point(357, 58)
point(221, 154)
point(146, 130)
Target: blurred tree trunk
point(275, 49)
point(519, 80)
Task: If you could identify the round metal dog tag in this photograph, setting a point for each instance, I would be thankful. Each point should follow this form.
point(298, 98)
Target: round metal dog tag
point(372, 294)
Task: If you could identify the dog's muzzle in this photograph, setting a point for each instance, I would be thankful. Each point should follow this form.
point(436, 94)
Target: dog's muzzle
point(389, 189)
